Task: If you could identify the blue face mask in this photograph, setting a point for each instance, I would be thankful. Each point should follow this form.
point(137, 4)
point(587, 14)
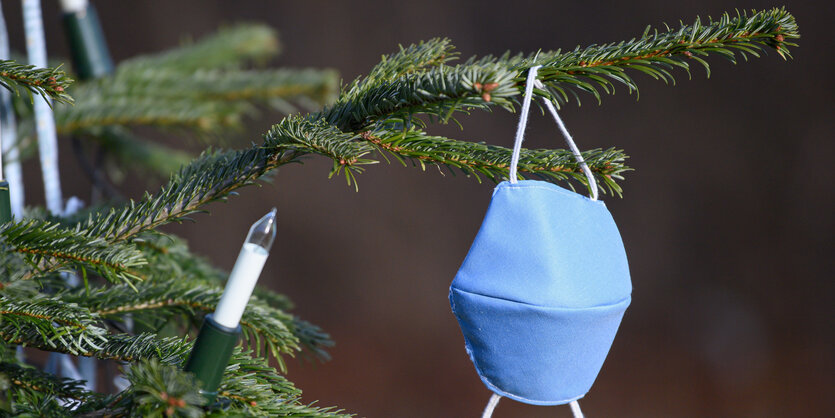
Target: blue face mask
point(542, 290)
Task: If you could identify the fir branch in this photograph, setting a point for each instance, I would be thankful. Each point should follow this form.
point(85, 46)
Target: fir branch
point(213, 84)
point(47, 247)
point(304, 135)
point(230, 47)
point(205, 101)
point(214, 176)
point(159, 389)
point(47, 82)
point(249, 387)
point(492, 161)
point(37, 404)
point(442, 91)
point(93, 341)
point(50, 324)
point(53, 324)
point(124, 347)
point(211, 177)
point(12, 264)
point(254, 388)
point(29, 379)
point(414, 58)
point(200, 115)
point(655, 53)
point(263, 326)
point(246, 363)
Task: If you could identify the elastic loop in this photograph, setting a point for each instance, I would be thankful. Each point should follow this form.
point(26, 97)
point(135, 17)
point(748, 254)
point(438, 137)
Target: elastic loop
point(575, 409)
point(570, 142)
point(491, 406)
point(523, 122)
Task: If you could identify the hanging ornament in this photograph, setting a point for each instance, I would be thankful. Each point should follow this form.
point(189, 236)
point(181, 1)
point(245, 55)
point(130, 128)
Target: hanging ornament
point(543, 288)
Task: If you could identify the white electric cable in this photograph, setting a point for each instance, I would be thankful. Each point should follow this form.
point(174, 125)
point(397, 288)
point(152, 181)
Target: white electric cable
point(44, 121)
point(12, 171)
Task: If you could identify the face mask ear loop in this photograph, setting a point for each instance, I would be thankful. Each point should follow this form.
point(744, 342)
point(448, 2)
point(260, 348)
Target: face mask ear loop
point(494, 401)
point(575, 409)
point(570, 142)
point(491, 405)
point(523, 123)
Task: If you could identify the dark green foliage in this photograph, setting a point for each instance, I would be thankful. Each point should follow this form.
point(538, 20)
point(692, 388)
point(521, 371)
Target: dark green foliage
point(138, 273)
point(158, 300)
point(438, 91)
point(47, 82)
point(28, 381)
point(209, 178)
point(204, 88)
point(11, 264)
point(599, 67)
point(49, 323)
point(474, 158)
point(230, 48)
point(46, 246)
point(163, 390)
point(252, 387)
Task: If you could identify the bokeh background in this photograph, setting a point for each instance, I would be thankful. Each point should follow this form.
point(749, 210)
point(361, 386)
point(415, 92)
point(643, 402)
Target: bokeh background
point(727, 218)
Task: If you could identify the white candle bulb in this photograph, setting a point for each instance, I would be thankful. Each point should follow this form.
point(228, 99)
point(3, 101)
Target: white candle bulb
point(245, 274)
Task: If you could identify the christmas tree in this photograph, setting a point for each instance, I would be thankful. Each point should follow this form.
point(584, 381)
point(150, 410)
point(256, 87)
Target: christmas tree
point(131, 272)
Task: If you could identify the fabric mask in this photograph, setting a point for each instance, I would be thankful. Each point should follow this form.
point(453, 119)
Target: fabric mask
point(543, 288)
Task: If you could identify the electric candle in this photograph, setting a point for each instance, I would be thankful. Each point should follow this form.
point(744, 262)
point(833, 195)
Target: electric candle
point(221, 330)
point(245, 274)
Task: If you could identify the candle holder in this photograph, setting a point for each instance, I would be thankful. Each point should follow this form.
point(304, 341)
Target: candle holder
point(5, 202)
point(211, 354)
point(88, 47)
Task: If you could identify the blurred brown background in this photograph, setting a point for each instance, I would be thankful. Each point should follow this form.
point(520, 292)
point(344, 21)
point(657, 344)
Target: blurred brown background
point(727, 220)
